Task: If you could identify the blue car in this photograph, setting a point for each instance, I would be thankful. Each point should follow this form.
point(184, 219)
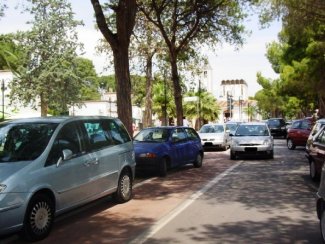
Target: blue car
point(162, 148)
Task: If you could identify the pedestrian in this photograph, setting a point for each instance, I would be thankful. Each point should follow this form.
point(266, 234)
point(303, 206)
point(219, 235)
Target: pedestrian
point(185, 122)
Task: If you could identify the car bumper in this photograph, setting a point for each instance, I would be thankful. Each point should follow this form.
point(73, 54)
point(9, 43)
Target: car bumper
point(12, 211)
point(219, 144)
point(147, 163)
point(256, 150)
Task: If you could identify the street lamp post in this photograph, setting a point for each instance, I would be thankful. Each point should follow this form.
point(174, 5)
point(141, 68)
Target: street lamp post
point(199, 101)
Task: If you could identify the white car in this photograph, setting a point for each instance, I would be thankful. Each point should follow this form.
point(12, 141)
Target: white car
point(252, 139)
point(214, 136)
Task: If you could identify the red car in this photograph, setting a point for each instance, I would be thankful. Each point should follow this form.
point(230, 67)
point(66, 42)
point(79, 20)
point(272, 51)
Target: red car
point(298, 133)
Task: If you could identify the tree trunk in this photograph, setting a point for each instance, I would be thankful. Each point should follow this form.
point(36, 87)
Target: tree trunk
point(147, 122)
point(119, 42)
point(177, 91)
point(44, 107)
point(123, 87)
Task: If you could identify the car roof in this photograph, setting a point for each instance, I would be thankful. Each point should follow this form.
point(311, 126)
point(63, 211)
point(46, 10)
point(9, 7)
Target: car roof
point(253, 123)
point(321, 121)
point(52, 119)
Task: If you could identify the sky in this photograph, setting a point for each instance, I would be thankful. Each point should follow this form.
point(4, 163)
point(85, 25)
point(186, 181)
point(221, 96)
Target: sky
point(226, 62)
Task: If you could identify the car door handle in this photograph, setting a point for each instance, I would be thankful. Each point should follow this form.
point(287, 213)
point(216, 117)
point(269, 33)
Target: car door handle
point(91, 162)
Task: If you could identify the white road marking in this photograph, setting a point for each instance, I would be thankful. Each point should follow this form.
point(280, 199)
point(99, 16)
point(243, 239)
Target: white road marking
point(164, 221)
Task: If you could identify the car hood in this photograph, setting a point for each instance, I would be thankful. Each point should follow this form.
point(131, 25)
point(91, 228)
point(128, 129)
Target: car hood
point(9, 169)
point(211, 135)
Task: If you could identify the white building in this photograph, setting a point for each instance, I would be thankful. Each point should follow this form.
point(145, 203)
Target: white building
point(9, 111)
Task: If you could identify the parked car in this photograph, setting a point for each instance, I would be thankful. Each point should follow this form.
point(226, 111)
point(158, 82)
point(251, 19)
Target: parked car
point(298, 133)
point(51, 165)
point(162, 148)
point(252, 139)
point(316, 128)
point(214, 136)
point(277, 127)
point(316, 154)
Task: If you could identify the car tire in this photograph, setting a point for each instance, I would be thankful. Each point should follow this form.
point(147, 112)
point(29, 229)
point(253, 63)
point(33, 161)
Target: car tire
point(124, 187)
point(163, 167)
point(290, 144)
point(198, 161)
point(39, 218)
point(312, 171)
point(322, 225)
point(232, 155)
point(271, 156)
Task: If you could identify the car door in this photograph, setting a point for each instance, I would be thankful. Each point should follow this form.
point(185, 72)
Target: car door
point(318, 149)
point(71, 179)
point(194, 144)
point(305, 129)
point(179, 147)
point(106, 152)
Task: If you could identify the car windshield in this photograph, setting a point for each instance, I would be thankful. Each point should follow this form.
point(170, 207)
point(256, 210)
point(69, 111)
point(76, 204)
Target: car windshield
point(231, 127)
point(252, 130)
point(212, 129)
point(152, 135)
point(23, 142)
point(274, 122)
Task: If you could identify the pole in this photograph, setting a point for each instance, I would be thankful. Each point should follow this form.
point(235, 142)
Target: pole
point(165, 98)
point(3, 99)
point(199, 126)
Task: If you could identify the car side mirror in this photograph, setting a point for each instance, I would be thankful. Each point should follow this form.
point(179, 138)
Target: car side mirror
point(66, 155)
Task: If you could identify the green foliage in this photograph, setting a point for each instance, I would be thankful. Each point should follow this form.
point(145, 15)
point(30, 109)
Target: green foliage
point(85, 70)
point(48, 74)
point(10, 53)
point(210, 110)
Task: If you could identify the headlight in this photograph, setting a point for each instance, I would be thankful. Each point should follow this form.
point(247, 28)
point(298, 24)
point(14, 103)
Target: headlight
point(267, 143)
point(2, 187)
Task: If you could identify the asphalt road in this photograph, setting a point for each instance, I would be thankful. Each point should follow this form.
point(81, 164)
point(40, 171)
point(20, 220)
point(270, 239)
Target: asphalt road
point(238, 201)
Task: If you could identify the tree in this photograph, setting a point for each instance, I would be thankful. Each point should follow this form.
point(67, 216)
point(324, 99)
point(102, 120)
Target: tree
point(185, 24)
point(47, 75)
point(124, 13)
point(301, 62)
point(85, 70)
point(10, 53)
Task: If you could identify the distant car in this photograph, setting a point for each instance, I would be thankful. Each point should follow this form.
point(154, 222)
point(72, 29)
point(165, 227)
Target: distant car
point(51, 165)
point(316, 154)
point(252, 139)
point(214, 136)
point(298, 133)
point(277, 127)
point(162, 148)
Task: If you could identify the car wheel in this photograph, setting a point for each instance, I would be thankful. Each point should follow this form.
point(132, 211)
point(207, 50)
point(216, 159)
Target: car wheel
point(198, 161)
point(322, 225)
point(124, 188)
point(312, 171)
point(232, 155)
point(163, 167)
point(39, 218)
point(290, 144)
point(271, 156)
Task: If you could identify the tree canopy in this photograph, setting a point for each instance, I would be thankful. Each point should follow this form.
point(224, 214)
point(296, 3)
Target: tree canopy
point(47, 75)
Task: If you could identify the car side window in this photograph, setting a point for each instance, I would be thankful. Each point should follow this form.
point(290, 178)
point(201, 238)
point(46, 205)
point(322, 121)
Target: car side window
point(191, 134)
point(98, 134)
point(118, 132)
point(321, 137)
point(305, 125)
point(295, 125)
point(178, 135)
point(68, 138)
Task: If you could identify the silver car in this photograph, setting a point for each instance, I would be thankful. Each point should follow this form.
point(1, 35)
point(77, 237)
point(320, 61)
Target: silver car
point(252, 139)
point(214, 136)
point(51, 165)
